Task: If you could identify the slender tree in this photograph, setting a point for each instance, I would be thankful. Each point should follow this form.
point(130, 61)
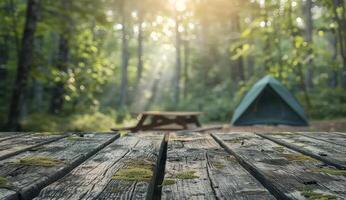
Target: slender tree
point(24, 62)
point(309, 40)
point(177, 75)
point(124, 55)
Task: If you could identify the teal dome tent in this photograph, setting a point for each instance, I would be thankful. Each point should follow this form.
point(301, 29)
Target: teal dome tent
point(269, 102)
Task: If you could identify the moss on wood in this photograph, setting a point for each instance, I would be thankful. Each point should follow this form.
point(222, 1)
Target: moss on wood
point(168, 181)
point(135, 170)
point(279, 149)
point(297, 157)
point(218, 165)
point(337, 172)
point(123, 133)
point(3, 182)
point(133, 174)
point(186, 175)
point(312, 195)
point(75, 138)
point(47, 134)
point(39, 161)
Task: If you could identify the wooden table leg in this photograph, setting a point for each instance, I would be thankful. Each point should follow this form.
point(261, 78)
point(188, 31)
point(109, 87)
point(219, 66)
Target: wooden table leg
point(195, 120)
point(140, 123)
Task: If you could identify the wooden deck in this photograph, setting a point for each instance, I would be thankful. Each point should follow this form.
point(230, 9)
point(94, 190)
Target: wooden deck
point(175, 165)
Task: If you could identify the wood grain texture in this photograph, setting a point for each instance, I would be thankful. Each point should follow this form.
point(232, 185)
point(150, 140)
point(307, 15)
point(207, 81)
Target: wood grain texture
point(325, 151)
point(16, 145)
point(93, 179)
point(331, 137)
point(28, 179)
point(215, 174)
point(9, 135)
point(286, 173)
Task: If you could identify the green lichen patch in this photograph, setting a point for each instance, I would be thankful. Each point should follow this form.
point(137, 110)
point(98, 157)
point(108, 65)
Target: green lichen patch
point(123, 133)
point(39, 161)
point(168, 181)
point(145, 164)
point(218, 165)
point(297, 157)
point(135, 170)
point(115, 190)
point(3, 182)
point(133, 174)
point(312, 195)
point(279, 149)
point(337, 172)
point(186, 175)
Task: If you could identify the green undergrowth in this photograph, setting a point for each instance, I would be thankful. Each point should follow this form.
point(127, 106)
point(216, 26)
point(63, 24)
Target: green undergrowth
point(135, 170)
point(312, 195)
point(96, 121)
point(39, 161)
point(337, 172)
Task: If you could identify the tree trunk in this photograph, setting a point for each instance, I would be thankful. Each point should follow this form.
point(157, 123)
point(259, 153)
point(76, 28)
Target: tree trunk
point(24, 62)
point(333, 79)
point(341, 21)
point(178, 63)
point(14, 20)
point(124, 58)
point(186, 67)
point(309, 40)
point(140, 49)
point(240, 64)
point(57, 98)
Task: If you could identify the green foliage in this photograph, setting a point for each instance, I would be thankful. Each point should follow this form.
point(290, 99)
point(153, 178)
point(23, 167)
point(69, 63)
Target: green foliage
point(79, 122)
point(91, 122)
point(328, 104)
point(221, 41)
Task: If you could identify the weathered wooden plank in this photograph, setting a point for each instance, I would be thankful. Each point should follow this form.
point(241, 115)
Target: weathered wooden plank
point(123, 170)
point(325, 151)
point(30, 171)
point(9, 135)
point(331, 137)
point(16, 145)
point(198, 168)
point(286, 173)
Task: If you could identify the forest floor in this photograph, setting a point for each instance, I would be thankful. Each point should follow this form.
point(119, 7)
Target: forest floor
point(320, 125)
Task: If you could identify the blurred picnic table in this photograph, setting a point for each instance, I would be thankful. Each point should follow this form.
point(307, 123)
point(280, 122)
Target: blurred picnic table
point(155, 120)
